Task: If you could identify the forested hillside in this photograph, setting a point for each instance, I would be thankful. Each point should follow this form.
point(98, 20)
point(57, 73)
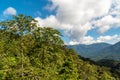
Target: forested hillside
point(112, 64)
point(29, 52)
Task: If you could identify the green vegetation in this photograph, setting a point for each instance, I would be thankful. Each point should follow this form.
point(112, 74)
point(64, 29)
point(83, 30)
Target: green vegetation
point(29, 52)
point(112, 64)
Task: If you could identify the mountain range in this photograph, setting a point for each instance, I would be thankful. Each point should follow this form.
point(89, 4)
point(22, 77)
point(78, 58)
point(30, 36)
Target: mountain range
point(98, 51)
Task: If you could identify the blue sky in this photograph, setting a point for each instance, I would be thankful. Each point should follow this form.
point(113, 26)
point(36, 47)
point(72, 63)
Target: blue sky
point(27, 7)
point(80, 21)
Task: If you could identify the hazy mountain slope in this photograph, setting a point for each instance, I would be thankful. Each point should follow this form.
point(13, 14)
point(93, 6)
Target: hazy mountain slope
point(111, 52)
point(89, 50)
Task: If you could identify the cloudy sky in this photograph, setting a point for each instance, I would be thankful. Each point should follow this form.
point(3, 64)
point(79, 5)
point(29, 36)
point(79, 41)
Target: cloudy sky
point(80, 21)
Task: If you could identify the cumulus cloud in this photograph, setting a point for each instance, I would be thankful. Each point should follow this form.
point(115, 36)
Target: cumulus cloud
point(80, 11)
point(106, 23)
point(50, 21)
point(107, 38)
point(111, 20)
point(77, 17)
point(10, 11)
point(90, 40)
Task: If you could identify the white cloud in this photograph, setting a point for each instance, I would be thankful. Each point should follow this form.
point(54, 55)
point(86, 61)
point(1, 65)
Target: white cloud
point(90, 40)
point(107, 38)
point(50, 21)
point(80, 11)
point(10, 11)
point(72, 43)
point(106, 23)
point(75, 17)
point(111, 20)
point(116, 7)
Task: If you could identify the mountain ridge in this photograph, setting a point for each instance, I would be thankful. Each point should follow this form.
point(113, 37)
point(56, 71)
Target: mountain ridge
point(98, 51)
point(111, 52)
point(87, 50)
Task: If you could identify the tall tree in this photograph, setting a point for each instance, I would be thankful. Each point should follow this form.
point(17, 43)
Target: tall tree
point(20, 25)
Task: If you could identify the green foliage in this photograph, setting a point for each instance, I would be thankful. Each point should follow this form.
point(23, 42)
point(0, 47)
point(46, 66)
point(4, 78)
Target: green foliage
point(28, 52)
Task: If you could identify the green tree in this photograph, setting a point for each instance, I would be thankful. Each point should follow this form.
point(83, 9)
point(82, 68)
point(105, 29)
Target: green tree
point(20, 25)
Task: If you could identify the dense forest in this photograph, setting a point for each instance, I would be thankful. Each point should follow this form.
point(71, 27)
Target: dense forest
point(31, 52)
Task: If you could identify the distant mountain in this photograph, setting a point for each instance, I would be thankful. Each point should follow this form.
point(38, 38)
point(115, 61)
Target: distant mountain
point(98, 51)
point(89, 51)
point(112, 52)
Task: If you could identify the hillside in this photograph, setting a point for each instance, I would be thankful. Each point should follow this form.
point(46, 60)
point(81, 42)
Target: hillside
point(112, 52)
point(88, 50)
point(112, 64)
point(28, 52)
point(98, 51)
